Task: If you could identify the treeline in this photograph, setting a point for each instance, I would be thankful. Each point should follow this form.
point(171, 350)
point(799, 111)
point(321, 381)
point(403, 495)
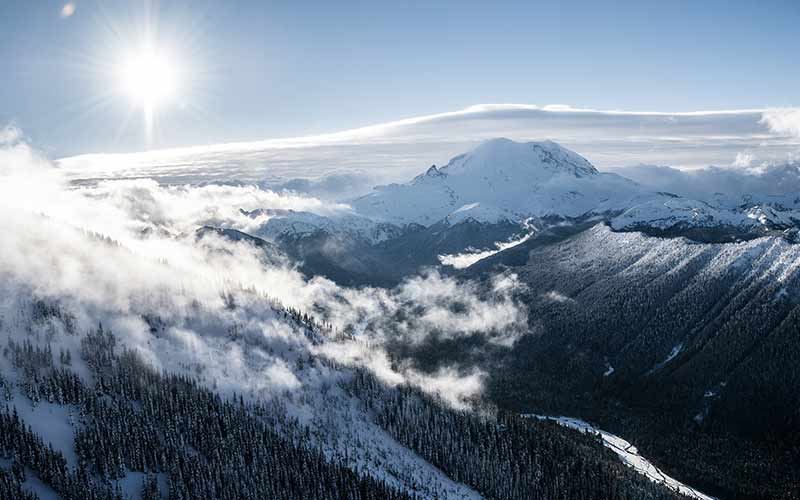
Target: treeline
point(11, 486)
point(722, 413)
point(41, 378)
point(135, 419)
point(23, 448)
point(504, 456)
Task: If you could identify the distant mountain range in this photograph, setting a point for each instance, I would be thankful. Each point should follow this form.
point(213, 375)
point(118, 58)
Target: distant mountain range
point(501, 192)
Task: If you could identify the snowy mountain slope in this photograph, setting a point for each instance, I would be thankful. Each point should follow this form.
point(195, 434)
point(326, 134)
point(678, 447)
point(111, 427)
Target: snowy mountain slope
point(702, 339)
point(333, 416)
point(675, 212)
point(479, 213)
point(505, 180)
point(523, 179)
point(128, 424)
point(478, 202)
point(668, 211)
point(297, 224)
point(351, 249)
point(628, 454)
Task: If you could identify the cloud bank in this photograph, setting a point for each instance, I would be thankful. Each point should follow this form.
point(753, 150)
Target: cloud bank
point(325, 164)
point(127, 253)
point(719, 184)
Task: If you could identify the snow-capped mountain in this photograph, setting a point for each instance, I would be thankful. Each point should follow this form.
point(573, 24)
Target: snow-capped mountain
point(499, 183)
point(495, 196)
point(506, 180)
point(676, 213)
point(517, 179)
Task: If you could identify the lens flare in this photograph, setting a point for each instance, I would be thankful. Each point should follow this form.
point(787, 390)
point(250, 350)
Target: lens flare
point(68, 10)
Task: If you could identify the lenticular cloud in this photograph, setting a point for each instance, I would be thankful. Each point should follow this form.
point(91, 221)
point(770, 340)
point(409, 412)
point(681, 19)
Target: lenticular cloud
point(348, 163)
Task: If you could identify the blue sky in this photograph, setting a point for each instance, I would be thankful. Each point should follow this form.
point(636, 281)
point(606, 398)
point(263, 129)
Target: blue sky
point(260, 69)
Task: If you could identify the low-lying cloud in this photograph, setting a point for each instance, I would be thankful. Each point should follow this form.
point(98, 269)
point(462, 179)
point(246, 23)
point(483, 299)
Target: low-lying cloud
point(784, 121)
point(126, 253)
point(710, 184)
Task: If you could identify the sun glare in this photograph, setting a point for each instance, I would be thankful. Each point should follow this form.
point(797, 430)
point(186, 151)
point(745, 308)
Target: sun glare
point(149, 78)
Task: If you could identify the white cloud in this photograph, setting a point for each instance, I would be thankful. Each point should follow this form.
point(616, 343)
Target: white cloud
point(452, 386)
point(123, 251)
point(466, 259)
point(749, 177)
point(558, 297)
point(784, 121)
point(154, 264)
point(743, 159)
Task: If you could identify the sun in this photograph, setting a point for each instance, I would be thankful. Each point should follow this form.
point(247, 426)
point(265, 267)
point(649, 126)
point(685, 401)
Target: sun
point(149, 78)
point(146, 68)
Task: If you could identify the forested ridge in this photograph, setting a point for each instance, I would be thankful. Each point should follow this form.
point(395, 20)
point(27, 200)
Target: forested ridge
point(187, 441)
point(136, 419)
point(504, 455)
point(688, 350)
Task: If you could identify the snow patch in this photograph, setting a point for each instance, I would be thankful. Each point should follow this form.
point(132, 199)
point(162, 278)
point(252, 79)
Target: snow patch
point(54, 423)
point(466, 259)
point(629, 455)
point(672, 354)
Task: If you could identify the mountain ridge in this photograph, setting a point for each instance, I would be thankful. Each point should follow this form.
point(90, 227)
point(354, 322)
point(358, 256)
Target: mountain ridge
point(506, 190)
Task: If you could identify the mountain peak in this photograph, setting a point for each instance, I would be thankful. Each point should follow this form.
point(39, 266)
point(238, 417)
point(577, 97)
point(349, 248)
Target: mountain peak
point(433, 171)
point(499, 176)
point(504, 156)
